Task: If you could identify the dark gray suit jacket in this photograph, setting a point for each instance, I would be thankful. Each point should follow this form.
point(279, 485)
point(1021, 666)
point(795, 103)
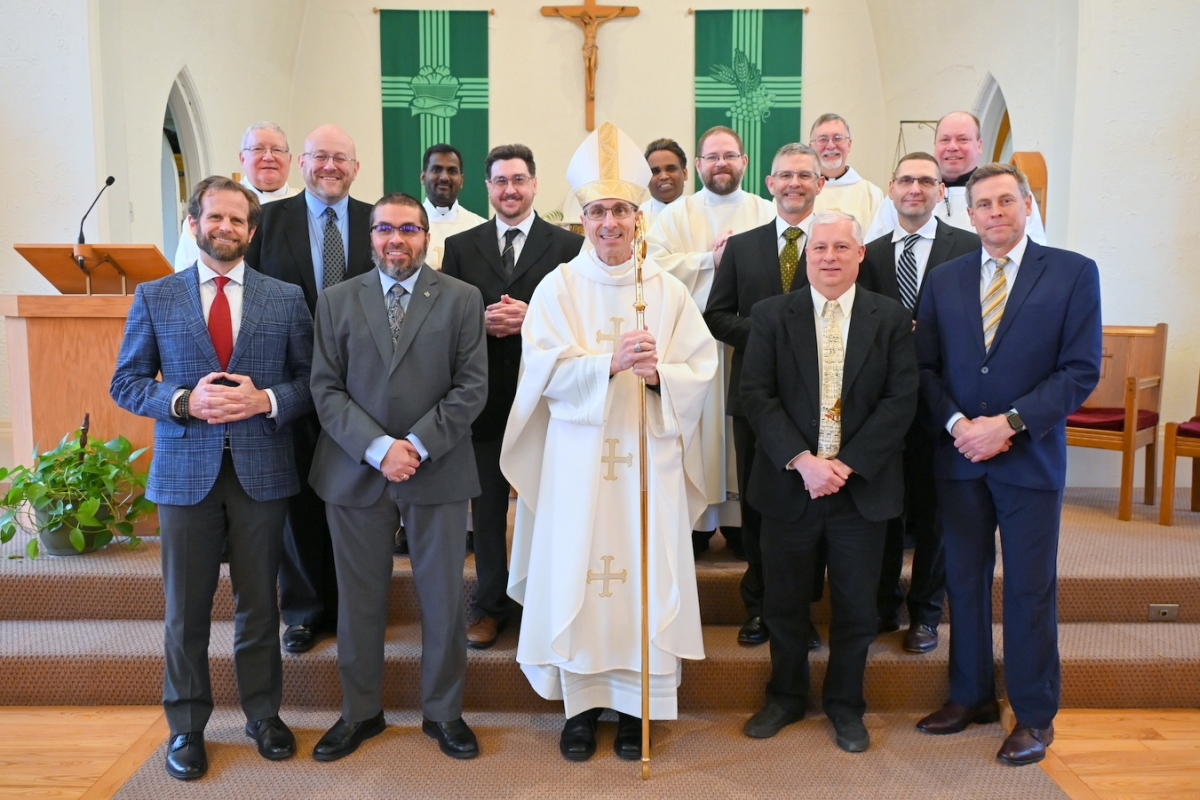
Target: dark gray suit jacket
point(878, 270)
point(433, 385)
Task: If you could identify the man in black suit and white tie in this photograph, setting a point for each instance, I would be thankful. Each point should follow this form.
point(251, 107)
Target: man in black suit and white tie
point(505, 258)
point(829, 383)
point(896, 265)
point(314, 240)
point(755, 266)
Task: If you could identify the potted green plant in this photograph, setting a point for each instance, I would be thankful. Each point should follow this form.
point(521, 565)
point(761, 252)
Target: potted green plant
point(77, 497)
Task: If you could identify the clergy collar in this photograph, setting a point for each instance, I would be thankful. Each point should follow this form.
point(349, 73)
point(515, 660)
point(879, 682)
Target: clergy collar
point(926, 231)
point(847, 178)
point(961, 180)
point(278, 194)
point(714, 199)
point(205, 273)
point(441, 213)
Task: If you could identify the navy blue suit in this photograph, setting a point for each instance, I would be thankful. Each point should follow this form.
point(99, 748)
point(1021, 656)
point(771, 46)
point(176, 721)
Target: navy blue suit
point(1044, 362)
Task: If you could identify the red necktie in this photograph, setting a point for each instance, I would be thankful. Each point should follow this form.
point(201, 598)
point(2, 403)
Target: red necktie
point(220, 324)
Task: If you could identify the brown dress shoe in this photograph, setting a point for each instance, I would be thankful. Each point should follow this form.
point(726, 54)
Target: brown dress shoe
point(921, 639)
point(482, 633)
point(1026, 745)
point(953, 718)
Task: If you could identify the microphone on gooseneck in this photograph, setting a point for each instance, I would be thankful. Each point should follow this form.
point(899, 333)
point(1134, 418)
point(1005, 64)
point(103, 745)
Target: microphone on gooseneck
point(107, 183)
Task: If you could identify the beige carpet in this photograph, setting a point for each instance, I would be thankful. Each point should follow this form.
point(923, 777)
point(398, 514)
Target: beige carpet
point(701, 756)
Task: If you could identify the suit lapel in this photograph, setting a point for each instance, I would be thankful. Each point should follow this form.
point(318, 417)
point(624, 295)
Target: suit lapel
point(297, 235)
point(536, 244)
point(253, 306)
point(370, 297)
point(360, 221)
point(803, 335)
point(425, 294)
point(1031, 269)
point(187, 293)
point(939, 252)
point(488, 245)
point(768, 255)
point(972, 309)
point(863, 324)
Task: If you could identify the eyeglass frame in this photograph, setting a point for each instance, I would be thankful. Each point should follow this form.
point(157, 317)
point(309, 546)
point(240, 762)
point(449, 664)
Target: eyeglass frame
point(504, 182)
point(785, 176)
point(587, 211)
point(713, 158)
point(398, 229)
point(261, 151)
point(323, 158)
point(823, 140)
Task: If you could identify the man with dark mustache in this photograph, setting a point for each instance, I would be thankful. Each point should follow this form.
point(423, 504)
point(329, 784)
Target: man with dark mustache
point(442, 173)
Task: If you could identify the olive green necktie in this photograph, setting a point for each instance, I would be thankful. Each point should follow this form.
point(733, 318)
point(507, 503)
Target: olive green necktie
point(789, 257)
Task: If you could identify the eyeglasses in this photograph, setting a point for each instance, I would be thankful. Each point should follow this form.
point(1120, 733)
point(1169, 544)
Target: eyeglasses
point(786, 176)
point(906, 181)
point(516, 180)
point(837, 138)
point(620, 211)
point(259, 152)
point(407, 229)
point(713, 158)
point(340, 159)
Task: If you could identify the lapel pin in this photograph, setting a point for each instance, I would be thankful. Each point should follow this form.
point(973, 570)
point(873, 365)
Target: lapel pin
point(427, 294)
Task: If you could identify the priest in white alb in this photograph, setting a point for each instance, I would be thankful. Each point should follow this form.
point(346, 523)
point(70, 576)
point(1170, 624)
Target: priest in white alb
point(845, 190)
point(442, 177)
point(687, 241)
point(571, 451)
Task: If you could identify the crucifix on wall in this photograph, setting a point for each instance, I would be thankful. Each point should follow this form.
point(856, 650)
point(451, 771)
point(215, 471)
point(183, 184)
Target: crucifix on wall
point(590, 17)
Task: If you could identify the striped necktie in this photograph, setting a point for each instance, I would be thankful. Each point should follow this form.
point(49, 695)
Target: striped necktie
point(906, 273)
point(993, 302)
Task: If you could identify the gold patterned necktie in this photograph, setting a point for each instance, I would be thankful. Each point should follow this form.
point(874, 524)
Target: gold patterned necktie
point(789, 257)
point(993, 302)
point(829, 436)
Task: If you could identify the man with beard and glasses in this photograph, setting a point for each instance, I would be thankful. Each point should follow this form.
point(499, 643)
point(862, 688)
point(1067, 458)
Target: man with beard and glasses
point(442, 176)
point(668, 177)
point(399, 374)
point(505, 258)
point(314, 240)
point(219, 356)
point(845, 190)
point(760, 263)
point(687, 241)
point(266, 162)
point(958, 146)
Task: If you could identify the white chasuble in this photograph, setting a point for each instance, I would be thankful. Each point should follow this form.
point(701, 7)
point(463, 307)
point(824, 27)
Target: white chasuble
point(571, 452)
point(852, 195)
point(681, 242)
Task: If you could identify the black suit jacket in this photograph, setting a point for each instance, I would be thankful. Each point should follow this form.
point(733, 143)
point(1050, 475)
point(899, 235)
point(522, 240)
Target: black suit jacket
point(781, 393)
point(474, 256)
point(878, 271)
point(280, 247)
point(749, 272)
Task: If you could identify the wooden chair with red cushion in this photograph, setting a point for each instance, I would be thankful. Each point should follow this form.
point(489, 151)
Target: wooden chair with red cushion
point(1122, 413)
point(1180, 440)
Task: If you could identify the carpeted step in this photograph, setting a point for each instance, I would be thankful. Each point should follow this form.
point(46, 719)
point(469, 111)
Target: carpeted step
point(1148, 665)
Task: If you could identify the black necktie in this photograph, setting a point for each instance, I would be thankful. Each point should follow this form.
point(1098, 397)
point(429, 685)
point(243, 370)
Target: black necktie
point(509, 257)
point(333, 254)
point(906, 273)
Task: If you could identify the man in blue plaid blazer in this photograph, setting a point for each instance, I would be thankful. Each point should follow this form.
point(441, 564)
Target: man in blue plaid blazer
point(234, 349)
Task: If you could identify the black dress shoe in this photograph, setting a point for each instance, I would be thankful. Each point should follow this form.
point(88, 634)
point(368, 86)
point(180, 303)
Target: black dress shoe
point(275, 740)
point(852, 735)
point(186, 759)
point(921, 639)
point(754, 631)
point(888, 625)
point(814, 637)
point(700, 542)
point(733, 541)
point(1026, 745)
point(770, 720)
point(628, 744)
point(953, 718)
point(299, 638)
point(454, 737)
point(401, 548)
point(578, 740)
point(345, 737)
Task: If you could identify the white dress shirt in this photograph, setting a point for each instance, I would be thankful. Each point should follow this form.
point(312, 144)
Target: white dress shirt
point(379, 446)
point(782, 225)
point(987, 271)
point(518, 243)
point(921, 247)
point(846, 302)
point(233, 296)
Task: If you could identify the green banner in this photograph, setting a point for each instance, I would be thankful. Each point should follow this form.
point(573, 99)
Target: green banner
point(434, 76)
point(748, 78)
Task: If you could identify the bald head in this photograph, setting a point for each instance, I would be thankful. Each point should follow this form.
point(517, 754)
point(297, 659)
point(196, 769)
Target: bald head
point(957, 144)
point(329, 163)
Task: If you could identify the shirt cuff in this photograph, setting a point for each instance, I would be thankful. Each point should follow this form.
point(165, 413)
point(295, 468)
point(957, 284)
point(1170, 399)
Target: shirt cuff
point(378, 449)
point(955, 417)
point(792, 464)
point(174, 397)
point(416, 442)
point(274, 404)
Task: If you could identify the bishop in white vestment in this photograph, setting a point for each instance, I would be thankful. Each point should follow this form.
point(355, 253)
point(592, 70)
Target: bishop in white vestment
point(681, 242)
point(571, 451)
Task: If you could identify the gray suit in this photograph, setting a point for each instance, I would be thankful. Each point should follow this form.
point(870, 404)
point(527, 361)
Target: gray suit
point(433, 385)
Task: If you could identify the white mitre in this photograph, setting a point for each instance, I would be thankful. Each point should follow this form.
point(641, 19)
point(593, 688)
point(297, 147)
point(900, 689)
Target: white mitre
point(609, 164)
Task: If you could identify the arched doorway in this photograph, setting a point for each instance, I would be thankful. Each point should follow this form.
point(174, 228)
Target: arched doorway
point(185, 155)
point(994, 124)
